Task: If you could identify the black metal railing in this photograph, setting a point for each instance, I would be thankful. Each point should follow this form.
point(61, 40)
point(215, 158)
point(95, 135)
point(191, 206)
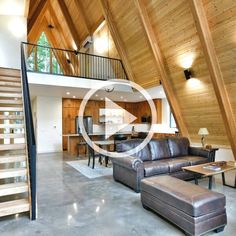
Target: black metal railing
point(72, 63)
point(29, 134)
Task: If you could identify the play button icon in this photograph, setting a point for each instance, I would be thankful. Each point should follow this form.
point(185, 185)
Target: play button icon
point(116, 118)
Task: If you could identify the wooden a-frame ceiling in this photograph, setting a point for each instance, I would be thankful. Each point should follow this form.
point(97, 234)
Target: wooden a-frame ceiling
point(157, 40)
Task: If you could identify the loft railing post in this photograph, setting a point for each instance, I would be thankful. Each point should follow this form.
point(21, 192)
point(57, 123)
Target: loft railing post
point(29, 134)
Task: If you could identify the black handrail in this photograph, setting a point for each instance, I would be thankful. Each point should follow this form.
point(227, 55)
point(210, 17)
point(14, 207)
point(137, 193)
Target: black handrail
point(29, 134)
point(74, 63)
point(68, 50)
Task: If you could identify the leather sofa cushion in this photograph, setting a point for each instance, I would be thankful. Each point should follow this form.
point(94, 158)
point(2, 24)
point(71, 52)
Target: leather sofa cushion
point(195, 160)
point(156, 167)
point(187, 197)
point(178, 146)
point(127, 145)
point(176, 164)
point(164, 166)
point(159, 149)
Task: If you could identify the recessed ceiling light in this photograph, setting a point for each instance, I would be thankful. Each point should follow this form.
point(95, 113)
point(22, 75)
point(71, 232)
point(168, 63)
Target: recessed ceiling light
point(121, 97)
point(68, 93)
point(96, 95)
point(74, 96)
point(101, 98)
point(140, 96)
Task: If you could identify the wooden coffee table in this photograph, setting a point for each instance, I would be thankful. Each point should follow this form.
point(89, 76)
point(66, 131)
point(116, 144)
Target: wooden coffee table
point(198, 170)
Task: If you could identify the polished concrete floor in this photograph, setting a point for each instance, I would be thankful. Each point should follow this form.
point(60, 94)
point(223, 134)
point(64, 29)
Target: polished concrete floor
point(71, 204)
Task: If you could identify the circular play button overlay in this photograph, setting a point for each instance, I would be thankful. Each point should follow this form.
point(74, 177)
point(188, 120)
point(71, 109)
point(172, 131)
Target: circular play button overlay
point(127, 119)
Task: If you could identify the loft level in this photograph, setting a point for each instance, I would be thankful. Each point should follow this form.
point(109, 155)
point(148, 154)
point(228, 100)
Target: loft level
point(58, 61)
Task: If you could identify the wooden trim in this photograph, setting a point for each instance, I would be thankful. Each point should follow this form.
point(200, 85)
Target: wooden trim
point(60, 31)
point(161, 67)
point(83, 16)
point(97, 24)
point(38, 14)
point(58, 27)
point(69, 22)
point(217, 79)
point(26, 10)
point(117, 40)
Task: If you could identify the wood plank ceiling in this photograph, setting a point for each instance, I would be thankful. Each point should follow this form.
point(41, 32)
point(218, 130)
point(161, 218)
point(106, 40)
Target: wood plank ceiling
point(175, 30)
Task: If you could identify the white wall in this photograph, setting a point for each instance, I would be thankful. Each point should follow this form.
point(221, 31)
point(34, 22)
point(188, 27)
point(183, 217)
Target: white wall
point(165, 113)
point(48, 124)
point(13, 30)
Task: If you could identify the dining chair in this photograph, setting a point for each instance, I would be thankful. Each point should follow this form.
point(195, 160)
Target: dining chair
point(118, 138)
point(93, 154)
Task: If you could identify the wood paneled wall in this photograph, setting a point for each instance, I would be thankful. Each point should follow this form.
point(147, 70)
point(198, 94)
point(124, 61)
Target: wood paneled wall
point(179, 42)
point(70, 109)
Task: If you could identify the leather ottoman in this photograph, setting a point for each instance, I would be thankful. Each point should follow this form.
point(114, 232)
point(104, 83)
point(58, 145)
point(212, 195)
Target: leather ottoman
point(194, 209)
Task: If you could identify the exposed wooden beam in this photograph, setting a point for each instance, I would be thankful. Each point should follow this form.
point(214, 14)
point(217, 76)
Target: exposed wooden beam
point(217, 79)
point(69, 22)
point(117, 40)
point(83, 16)
point(161, 67)
point(58, 28)
point(26, 10)
point(37, 16)
point(61, 33)
point(96, 25)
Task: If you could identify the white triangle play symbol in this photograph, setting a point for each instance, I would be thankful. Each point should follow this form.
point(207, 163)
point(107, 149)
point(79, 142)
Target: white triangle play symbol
point(116, 118)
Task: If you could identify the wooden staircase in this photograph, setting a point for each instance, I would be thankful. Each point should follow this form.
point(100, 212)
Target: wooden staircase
point(14, 171)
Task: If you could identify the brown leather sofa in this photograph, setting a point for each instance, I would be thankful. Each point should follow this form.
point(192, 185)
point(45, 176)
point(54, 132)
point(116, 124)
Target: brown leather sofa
point(159, 157)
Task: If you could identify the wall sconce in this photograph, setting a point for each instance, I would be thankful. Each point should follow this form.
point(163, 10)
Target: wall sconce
point(203, 132)
point(188, 74)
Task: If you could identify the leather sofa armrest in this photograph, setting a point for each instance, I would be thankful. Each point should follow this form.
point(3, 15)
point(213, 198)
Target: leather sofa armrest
point(207, 153)
point(128, 162)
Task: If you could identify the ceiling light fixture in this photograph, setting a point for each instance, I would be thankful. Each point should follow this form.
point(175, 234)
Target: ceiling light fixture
point(68, 93)
point(50, 26)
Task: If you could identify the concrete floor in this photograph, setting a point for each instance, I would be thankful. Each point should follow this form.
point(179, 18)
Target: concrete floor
point(71, 204)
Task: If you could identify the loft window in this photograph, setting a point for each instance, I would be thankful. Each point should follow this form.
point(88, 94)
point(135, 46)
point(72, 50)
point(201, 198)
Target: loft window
point(43, 59)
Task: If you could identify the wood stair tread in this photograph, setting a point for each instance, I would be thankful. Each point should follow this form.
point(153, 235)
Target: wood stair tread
point(10, 89)
point(11, 108)
point(14, 207)
point(12, 172)
point(10, 84)
point(12, 126)
point(13, 188)
point(10, 72)
point(7, 101)
point(10, 78)
point(10, 135)
point(12, 158)
point(15, 146)
point(11, 95)
point(11, 117)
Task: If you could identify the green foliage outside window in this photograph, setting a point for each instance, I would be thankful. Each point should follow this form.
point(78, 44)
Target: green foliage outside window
point(40, 59)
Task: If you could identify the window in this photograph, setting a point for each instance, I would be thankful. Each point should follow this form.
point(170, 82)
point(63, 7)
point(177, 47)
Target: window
point(42, 59)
